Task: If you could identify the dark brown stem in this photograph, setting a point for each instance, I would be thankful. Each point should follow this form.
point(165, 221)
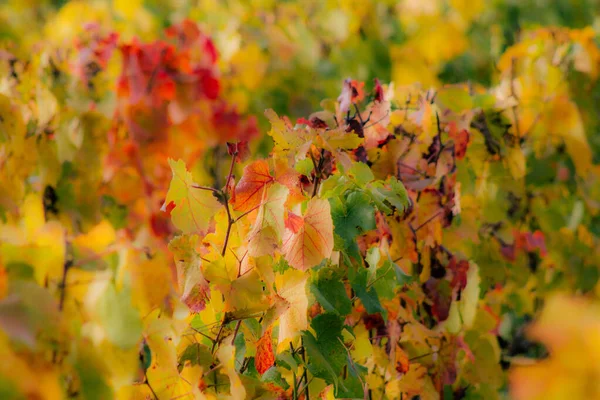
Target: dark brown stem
point(212, 350)
point(247, 212)
point(63, 284)
point(305, 371)
point(428, 220)
point(230, 220)
point(203, 334)
point(229, 225)
point(235, 332)
point(149, 386)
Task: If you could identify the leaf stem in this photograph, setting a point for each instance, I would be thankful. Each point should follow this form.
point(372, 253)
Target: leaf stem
point(205, 188)
point(63, 284)
point(149, 386)
point(235, 332)
point(230, 220)
point(305, 370)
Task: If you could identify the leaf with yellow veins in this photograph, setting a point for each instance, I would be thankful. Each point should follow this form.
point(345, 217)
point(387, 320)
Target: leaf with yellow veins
point(193, 207)
point(268, 228)
point(309, 239)
point(291, 286)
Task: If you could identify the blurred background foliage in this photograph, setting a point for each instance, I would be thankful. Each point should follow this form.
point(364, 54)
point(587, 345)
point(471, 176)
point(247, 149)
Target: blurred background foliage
point(272, 52)
point(289, 56)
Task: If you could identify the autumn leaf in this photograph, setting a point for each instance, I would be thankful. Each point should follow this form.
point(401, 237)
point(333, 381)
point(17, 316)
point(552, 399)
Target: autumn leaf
point(291, 287)
point(193, 286)
point(268, 227)
point(193, 207)
point(265, 357)
point(310, 238)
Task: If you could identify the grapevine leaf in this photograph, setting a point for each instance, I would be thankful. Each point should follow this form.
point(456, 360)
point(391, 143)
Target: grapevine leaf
point(309, 239)
point(193, 207)
point(265, 358)
point(326, 354)
point(268, 227)
point(330, 292)
point(352, 216)
point(291, 287)
point(194, 287)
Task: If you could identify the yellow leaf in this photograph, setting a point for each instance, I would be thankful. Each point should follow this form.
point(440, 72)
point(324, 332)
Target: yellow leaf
point(226, 355)
point(291, 286)
point(193, 207)
point(515, 160)
point(127, 8)
point(193, 287)
point(98, 238)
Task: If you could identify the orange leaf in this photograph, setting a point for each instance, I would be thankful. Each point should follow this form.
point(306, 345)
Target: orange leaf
point(313, 241)
point(254, 182)
point(265, 358)
point(294, 222)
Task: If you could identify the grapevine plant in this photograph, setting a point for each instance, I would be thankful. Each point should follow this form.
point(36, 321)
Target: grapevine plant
point(392, 244)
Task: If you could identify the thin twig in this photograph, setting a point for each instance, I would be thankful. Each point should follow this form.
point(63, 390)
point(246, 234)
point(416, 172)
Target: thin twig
point(63, 284)
point(149, 386)
point(230, 220)
point(247, 212)
point(429, 220)
point(305, 370)
point(205, 188)
point(212, 350)
point(235, 332)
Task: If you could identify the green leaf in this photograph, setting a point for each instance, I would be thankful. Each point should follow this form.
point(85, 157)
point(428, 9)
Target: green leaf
point(389, 195)
point(92, 375)
point(351, 217)
point(196, 354)
point(272, 375)
point(119, 318)
point(386, 280)
point(361, 173)
point(114, 212)
point(326, 354)
point(287, 360)
point(456, 99)
point(330, 292)
point(352, 387)
point(359, 279)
